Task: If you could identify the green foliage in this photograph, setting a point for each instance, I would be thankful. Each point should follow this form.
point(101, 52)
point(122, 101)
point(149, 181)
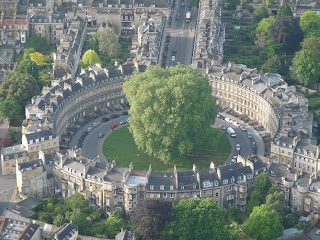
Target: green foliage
point(59, 220)
point(232, 215)
point(305, 62)
point(230, 4)
point(171, 111)
point(38, 58)
point(310, 23)
point(260, 191)
point(273, 65)
point(109, 42)
point(235, 231)
point(79, 218)
point(50, 206)
point(10, 108)
point(20, 87)
point(114, 225)
point(260, 13)
point(291, 219)
point(37, 43)
point(263, 223)
point(27, 52)
point(90, 58)
point(276, 201)
point(150, 218)
point(284, 11)
point(264, 31)
point(198, 220)
point(27, 66)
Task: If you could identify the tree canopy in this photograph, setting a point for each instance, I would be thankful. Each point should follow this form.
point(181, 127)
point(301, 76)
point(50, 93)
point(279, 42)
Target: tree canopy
point(310, 23)
point(263, 223)
point(305, 63)
point(108, 42)
point(38, 58)
point(37, 43)
point(230, 4)
point(20, 87)
point(276, 201)
point(284, 10)
point(171, 111)
point(264, 31)
point(27, 66)
point(150, 217)
point(89, 58)
point(260, 13)
point(199, 219)
point(10, 108)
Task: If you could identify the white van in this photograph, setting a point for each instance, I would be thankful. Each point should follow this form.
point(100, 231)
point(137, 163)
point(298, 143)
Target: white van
point(231, 132)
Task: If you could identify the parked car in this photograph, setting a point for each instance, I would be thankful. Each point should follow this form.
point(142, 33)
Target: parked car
point(114, 126)
point(228, 120)
point(238, 147)
point(84, 134)
point(96, 124)
point(236, 123)
point(254, 147)
point(174, 51)
point(234, 159)
point(249, 135)
point(178, 16)
point(123, 121)
point(90, 129)
point(124, 113)
point(101, 135)
point(318, 232)
point(105, 119)
point(113, 116)
point(223, 127)
point(243, 128)
point(173, 58)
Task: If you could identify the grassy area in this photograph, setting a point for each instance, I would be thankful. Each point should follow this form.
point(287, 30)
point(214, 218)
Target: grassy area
point(121, 147)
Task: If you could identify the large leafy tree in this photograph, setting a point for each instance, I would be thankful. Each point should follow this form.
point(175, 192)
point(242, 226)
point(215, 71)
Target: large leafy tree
point(89, 58)
point(263, 223)
point(306, 62)
point(276, 201)
point(20, 87)
point(230, 4)
point(36, 42)
point(273, 64)
point(109, 42)
point(150, 218)
point(261, 189)
point(27, 66)
point(264, 31)
point(114, 225)
point(38, 58)
point(310, 23)
point(10, 108)
point(171, 111)
point(288, 33)
point(260, 13)
point(284, 10)
point(199, 219)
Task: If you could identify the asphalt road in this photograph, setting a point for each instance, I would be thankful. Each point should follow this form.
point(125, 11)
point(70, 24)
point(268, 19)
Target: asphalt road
point(182, 36)
point(242, 138)
point(92, 143)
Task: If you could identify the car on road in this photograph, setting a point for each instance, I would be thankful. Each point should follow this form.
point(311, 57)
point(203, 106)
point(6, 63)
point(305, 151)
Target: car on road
point(84, 134)
point(113, 116)
point(223, 127)
point(101, 135)
point(173, 58)
point(80, 145)
point(228, 120)
point(238, 147)
point(114, 126)
point(174, 51)
point(105, 119)
point(318, 232)
point(123, 121)
point(243, 128)
point(90, 129)
point(182, 4)
point(178, 16)
point(96, 124)
point(124, 113)
point(254, 147)
point(235, 123)
point(249, 135)
point(234, 159)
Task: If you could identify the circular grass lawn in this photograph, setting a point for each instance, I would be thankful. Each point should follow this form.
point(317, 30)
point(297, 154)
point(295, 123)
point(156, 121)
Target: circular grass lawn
point(119, 145)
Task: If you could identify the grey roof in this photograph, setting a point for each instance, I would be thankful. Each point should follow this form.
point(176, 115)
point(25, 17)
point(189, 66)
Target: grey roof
point(157, 179)
point(10, 152)
point(67, 230)
point(29, 231)
point(277, 170)
point(234, 171)
point(188, 180)
point(30, 165)
point(124, 235)
point(41, 134)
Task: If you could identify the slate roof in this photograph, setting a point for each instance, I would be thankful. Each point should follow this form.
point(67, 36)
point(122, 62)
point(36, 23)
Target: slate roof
point(29, 231)
point(30, 165)
point(41, 134)
point(10, 152)
point(188, 180)
point(166, 179)
point(67, 231)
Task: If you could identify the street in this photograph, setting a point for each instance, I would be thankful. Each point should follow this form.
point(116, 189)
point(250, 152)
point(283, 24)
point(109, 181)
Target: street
point(182, 36)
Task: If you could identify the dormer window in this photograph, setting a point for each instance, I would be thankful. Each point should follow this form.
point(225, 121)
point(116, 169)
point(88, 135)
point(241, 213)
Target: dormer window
point(50, 137)
point(171, 187)
point(194, 186)
point(225, 181)
point(239, 178)
point(182, 187)
point(31, 141)
point(161, 187)
point(151, 187)
point(37, 140)
point(42, 139)
point(216, 183)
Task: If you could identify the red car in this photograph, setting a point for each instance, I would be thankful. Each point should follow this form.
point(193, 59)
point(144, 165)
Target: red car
point(113, 116)
point(114, 126)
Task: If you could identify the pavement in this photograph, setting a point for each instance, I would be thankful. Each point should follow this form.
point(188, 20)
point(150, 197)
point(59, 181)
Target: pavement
point(312, 233)
point(181, 36)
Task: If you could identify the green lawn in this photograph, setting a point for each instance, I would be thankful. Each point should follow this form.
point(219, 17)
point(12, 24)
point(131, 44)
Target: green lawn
point(121, 147)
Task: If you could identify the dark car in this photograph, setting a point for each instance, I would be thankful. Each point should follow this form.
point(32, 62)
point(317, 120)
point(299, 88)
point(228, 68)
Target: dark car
point(105, 119)
point(178, 16)
point(174, 51)
point(84, 134)
point(114, 126)
point(113, 116)
point(124, 113)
